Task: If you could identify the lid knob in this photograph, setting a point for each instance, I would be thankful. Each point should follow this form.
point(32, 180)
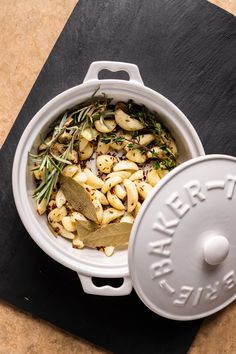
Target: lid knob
point(216, 249)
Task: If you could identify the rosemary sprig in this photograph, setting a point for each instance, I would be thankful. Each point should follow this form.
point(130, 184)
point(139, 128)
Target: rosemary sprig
point(52, 166)
point(74, 121)
point(57, 146)
point(133, 143)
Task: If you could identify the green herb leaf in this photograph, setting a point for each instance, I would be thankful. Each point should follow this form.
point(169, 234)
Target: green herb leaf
point(156, 165)
point(60, 159)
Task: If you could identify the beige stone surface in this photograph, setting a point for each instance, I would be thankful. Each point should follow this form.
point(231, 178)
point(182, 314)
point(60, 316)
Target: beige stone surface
point(21, 333)
point(228, 5)
point(218, 334)
point(29, 29)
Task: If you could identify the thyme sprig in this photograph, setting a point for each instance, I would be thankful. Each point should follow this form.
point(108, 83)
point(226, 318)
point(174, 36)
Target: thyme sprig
point(169, 161)
point(133, 143)
point(55, 151)
point(146, 117)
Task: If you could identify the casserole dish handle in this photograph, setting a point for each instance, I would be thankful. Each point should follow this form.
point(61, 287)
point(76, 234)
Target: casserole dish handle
point(97, 66)
point(90, 288)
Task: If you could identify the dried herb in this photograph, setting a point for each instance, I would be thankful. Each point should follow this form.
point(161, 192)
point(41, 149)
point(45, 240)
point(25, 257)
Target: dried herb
point(132, 144)
point(85, 227)
point(77, 196)
point(56, 147)
point(116, 235)
point(73, 121)
point(156, 165)
point(149, 119)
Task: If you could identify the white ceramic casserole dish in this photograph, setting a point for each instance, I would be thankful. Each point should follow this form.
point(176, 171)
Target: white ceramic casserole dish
point(86, 262)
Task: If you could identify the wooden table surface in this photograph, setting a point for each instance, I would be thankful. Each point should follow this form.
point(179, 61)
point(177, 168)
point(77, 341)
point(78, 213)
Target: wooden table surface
point(29, 29)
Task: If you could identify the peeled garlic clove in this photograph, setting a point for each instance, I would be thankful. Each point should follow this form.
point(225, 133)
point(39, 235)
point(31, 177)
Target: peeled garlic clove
point(83, 143)
point(51, 205)
point(67, 234)
point(109, 250)
point(132, 195)
point(76, 216)
point(54, 227)
point(137, 208)
point(70, 170)
point(105, 126)
point(125, 165)
point(111, 214)
point(77, 243)
point(80, 178)
point(101, 197)
point(128, 140)
point(90, 190)
point(87, 152)
point(120, 144)
point(92, 179)
point(102, 148)
point(136, 175)
point(99, 209)
point(39, 174)
point(110, 182)
point(136, 155)
point(115, 201)
point(153, 177)
point(60, 230)
point(145, 139)
point(105, 163)
point(162, 173)
point(143, 189)
point(126, 122)
point(68, 223)
point(120, 191)
point(117, 146)
point(122, 174)
point(127, 217)
point(41, 206)
point(89, 134)
point(60, 199)
point(155, 152)
point(57, 214)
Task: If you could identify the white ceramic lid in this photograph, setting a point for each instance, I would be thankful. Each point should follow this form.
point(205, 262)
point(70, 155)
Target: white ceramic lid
point(182, 252)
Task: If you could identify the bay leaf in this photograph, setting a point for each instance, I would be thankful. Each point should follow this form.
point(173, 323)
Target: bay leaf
point(77, 196)
point(85, 227)
point(116, 234)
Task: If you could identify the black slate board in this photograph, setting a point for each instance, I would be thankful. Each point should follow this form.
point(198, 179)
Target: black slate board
point(186, 50)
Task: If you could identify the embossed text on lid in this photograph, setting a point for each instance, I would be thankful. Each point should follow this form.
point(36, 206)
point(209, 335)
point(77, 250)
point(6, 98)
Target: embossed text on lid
point(182, 251)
